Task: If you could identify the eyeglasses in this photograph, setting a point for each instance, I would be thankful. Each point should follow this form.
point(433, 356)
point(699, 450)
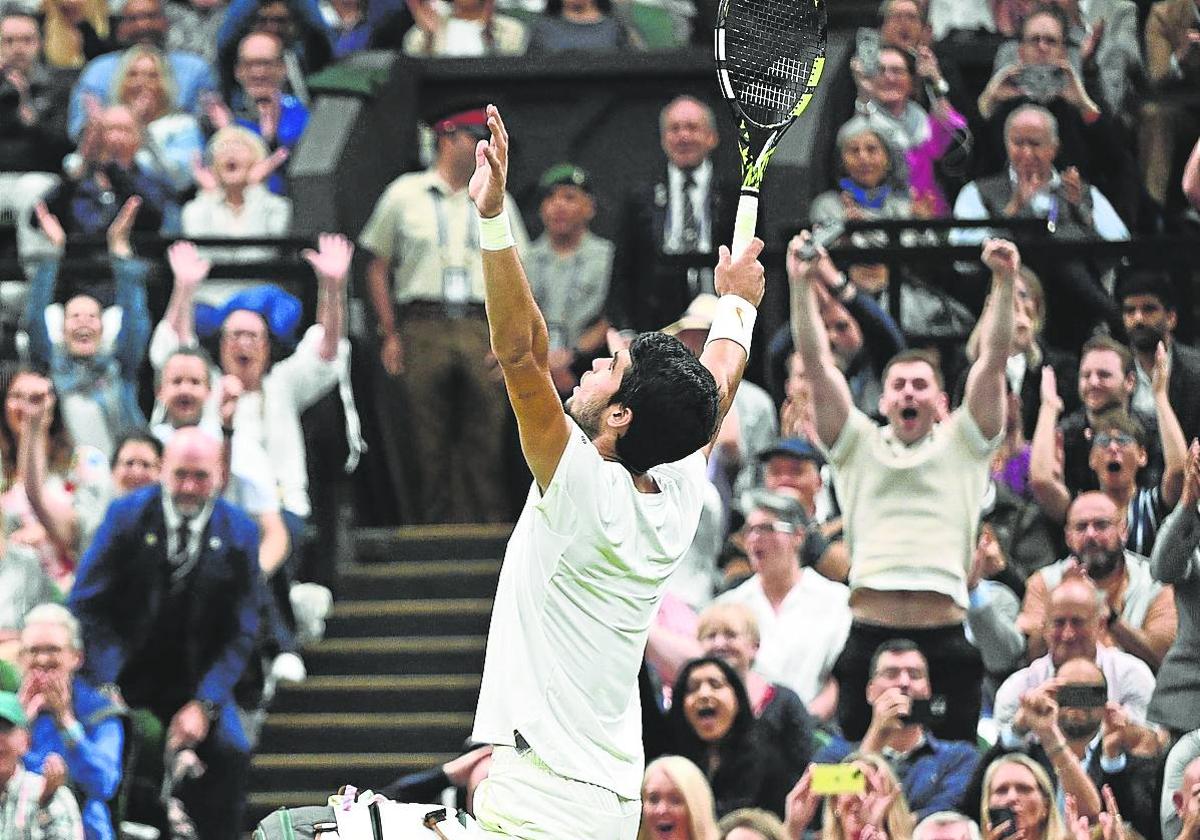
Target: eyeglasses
point(258, 63)
point(1082, 526)
point(1048, 40)
point(765, 529)
point(1104, 439)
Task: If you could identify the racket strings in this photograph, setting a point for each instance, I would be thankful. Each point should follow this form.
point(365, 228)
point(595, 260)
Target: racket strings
point(770, 49)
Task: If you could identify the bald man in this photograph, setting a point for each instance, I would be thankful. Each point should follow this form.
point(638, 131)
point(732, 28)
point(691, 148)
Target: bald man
point(165, 596)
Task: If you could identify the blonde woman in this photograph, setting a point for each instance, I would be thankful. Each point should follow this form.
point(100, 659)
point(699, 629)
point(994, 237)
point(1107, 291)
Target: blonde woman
point(145, 85)
point(751, 824)
point(677, 803)
point(1017, 782)
point(74, 31)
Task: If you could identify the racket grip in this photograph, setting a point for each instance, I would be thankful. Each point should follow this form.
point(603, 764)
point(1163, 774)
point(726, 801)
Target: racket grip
point(744, 223)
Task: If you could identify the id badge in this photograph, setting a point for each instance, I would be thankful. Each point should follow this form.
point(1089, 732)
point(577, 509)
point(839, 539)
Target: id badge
point(456, 285)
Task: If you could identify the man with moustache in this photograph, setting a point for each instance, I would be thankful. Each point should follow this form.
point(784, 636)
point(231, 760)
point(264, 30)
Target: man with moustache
point(1141, 617)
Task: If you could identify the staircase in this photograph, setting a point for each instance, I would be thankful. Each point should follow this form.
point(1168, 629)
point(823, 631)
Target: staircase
point(392, 687)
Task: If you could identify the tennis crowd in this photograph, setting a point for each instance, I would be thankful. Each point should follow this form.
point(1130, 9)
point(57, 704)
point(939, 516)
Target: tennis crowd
point(1024, 662)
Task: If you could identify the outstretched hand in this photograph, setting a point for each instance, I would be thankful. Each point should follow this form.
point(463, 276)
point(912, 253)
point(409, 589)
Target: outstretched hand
point(122, 226)
point(491, 168)
point(50, 225)
point(743, 276)
point(187, 266)
point(331, 260)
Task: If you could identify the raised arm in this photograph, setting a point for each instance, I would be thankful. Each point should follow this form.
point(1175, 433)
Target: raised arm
point(830, 393)
point(1170, 433)
point(985, 395)
point(130, 275)
point(1174, 557)
point(189, 270)
point(1045, 464)
point(519, 338)
point(57, 518)
point(331, 262)
point(40, 293)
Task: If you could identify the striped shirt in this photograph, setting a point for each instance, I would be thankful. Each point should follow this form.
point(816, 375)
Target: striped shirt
point(23, 818)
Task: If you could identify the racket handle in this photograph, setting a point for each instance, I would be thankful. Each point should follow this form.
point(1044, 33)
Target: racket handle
point(744, 223)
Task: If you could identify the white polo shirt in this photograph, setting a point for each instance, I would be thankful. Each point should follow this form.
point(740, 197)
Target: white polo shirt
point(583, 575)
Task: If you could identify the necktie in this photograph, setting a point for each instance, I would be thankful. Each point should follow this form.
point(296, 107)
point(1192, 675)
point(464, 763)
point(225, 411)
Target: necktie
point(181, 560)
point(690, 233)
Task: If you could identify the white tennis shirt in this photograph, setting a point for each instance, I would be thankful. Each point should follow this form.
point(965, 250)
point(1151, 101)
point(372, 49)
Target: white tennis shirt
point(583, 575)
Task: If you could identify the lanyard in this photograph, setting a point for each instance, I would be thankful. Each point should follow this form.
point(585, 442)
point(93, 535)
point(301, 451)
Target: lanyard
point(471, 242)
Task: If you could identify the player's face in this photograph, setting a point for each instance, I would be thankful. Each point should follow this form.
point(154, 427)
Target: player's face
point(595, 391)
point(911, 400)
point(1102, 381)
point(709, 704)
point(664, 810)
point(729, 640)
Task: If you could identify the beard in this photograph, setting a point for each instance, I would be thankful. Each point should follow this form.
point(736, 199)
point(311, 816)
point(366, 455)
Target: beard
point(1145, 339)
point(1077, 730)
point(1100, 563)
point(586, 416)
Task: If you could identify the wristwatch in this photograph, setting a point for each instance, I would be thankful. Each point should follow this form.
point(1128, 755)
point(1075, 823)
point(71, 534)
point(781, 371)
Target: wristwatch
point(941, 87)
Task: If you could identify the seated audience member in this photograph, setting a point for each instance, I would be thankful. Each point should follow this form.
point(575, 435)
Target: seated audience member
point(677, 802)
point(711, 724)
point(573, 25)
point(569, 269)
point(75, 32)
point(879, 811)
point(803, 617)
point(932, 773)
point(71, 722)
point(33, 100)
point(305, 40)
point(1074, 626)
point(1082, 744)
point(1140, 617)
point(35, 807)
point(1148, 314)
point(140, 22)
point(751, 824)
point(947, 825)
point(467, 28)
point(176, 642)
point(1179, 812)
point(1019, 783)
point(109, 169)
point(233, 201)
point(1167, 125)
point(1118, 452)
point(1030, 186)
point(464, 772)
point(277, 117)
point(794, 467)
point(136, 463)
point(171, 139)
point(1176, 564)
point(992, 611)
point(94, 371)
point(193, 25)
point(356, 25)
point(910, 493)
point(874, 182)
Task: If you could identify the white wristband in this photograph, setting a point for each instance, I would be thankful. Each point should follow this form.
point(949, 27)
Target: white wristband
point(734, 320)
point(495, 234)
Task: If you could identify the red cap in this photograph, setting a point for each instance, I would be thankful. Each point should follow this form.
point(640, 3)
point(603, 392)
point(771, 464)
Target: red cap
point(475, 118)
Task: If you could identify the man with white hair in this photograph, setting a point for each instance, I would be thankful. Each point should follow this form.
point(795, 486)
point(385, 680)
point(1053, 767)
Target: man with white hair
point(946, 825)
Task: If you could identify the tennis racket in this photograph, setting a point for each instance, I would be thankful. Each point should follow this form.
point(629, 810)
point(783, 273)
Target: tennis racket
point(770, 54)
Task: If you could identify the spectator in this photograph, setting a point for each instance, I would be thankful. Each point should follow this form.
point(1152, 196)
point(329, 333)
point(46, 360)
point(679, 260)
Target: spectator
point(1172, 64)
point(1019, 783)
point(908, 24)
point(712, 725)
point(1175, 563)
point(910, 495)
point(192, 25)
point(141, 22)
point(569, 269)
point(306, 42)
point(687, 210)
point(435, 332)
point(992, 610)
point(136, 463)
point(468, 28)
point(1031, 187)
point(75, 32)
point(751, 824)
point(171, 139)
point(947, 825)
point(932, 773)
point(803, 617)
point(357, 25)
point(572, 25)
point(1149, 317)
point(96, 374)
point(171, 620)
point(1074, 626)
point(35, 808)
point(1181, 792)
point(72, 724)
point(234, 202)
point(33, 100)
point(677, 802)
point(879, 811)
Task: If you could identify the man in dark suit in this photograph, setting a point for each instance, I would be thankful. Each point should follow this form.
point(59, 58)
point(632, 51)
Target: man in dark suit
point(166, 599)
point(687, 212)
point(1148, 315)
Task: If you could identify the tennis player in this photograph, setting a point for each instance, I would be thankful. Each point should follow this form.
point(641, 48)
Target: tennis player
point(615, 501)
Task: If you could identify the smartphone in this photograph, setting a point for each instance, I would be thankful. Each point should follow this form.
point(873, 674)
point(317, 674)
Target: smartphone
point(822, 236)
point(997, 816)
point(1082, 696)
point(834, 779)
point(1042, 82)
point(867, 50)
point(926, 711)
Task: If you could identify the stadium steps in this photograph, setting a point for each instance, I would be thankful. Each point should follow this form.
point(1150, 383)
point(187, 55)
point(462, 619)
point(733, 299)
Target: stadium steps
point(392, 687)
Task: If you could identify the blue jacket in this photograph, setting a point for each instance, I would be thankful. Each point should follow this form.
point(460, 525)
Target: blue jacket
point(94, 762)
point(934, 776)
point(118, 590)
point(110, 380)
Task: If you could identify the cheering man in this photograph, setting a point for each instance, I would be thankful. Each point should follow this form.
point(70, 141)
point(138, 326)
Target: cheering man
point(615, 501)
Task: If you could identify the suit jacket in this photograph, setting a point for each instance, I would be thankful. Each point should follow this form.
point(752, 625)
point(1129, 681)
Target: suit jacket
point(647, 292)
point(119, 590)
point(1166, 30)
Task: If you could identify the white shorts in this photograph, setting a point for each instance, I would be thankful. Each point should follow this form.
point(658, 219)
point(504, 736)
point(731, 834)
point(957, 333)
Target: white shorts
point(523, 798)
